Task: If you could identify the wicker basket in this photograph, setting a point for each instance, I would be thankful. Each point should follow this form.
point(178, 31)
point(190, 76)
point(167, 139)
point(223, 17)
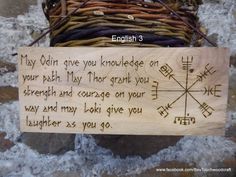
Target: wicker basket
point(96, 23)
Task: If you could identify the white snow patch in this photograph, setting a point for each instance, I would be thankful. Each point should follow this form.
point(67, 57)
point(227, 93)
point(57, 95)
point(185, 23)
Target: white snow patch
point(218, 17)
point(23, 161)
point(9, 120)
point(16, 32)
point(9, 79)
point(232, 71)
point(194, 150)
point(91, 160)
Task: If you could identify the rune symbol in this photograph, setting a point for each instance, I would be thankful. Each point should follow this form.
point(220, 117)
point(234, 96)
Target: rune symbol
point(186, 91)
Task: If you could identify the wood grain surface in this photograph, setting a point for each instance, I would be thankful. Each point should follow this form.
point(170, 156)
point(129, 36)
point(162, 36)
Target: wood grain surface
point(142, 91)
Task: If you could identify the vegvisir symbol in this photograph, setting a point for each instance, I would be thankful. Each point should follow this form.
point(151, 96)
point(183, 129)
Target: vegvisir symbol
point(186, 91)
point(206, 110)
point(212, 90)
point(155, 90)
point(166, 70)
point(185, 120)
point(187, 63)
point(208, 71)
point(164, 110)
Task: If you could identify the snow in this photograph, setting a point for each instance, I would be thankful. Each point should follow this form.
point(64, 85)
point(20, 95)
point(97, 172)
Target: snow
point(219, 18)
point(9, 79)
point(17, 32)
point(88, 159)
point(9, 120)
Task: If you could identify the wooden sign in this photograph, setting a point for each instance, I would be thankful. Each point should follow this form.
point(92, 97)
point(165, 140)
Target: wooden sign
point(143, 91)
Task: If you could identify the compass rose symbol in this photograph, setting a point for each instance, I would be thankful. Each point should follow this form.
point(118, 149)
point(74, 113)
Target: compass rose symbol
point(186, 91)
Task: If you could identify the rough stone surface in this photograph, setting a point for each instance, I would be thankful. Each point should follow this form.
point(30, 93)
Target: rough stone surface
point(231, 163)
point(12, 8)
point(5, 144)
point(131, 145)
point(233, 60)
point(213, 38)
point(6, 67)
point(46, 143)
point(231, 132)
point(170, 165)
point(227, 163)
point(153, 171)
point(65, 174)
point(232, 99)
point(8, 93)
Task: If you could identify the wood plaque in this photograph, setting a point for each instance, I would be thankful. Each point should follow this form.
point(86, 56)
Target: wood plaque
point(136, 91)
